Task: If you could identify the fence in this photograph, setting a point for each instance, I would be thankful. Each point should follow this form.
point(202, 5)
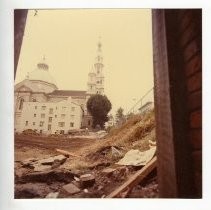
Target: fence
point(143, 101)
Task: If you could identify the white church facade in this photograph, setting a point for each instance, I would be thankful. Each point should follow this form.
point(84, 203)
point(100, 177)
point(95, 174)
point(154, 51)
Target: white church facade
point(41, 106)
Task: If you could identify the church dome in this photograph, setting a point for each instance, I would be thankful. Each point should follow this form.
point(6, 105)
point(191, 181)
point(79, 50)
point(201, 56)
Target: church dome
point(41, 73)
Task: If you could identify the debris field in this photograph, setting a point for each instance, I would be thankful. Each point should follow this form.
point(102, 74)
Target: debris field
point(110, 166)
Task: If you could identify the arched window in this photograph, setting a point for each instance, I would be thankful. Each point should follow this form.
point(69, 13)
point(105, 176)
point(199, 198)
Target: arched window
point(21, 104)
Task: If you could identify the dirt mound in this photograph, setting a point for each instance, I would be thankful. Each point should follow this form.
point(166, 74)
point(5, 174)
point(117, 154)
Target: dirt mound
point(133, 134)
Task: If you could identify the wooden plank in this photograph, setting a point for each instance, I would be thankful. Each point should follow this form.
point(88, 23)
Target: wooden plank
point(66, 153)
point(134, 179)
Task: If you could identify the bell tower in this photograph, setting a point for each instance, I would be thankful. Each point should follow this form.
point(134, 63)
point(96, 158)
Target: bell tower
point(99, 70)
point(95, 77)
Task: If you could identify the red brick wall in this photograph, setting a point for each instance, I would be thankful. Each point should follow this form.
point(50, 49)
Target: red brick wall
point(178, 106)
point(190, 41)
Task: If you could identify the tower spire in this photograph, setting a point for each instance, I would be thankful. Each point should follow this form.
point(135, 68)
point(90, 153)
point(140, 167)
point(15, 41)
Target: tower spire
point(99, 57)
point(96, 78)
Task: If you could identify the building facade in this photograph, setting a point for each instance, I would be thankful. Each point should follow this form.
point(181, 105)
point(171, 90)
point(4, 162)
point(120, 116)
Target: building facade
point(41, 106)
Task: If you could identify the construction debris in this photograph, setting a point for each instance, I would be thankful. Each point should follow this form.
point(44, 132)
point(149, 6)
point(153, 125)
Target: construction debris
point(87, 180)
point(44, 164)
point(134, 179)
point(108, 171)
point(137, 158)
point(115, 152)
point(70, 189)
point(49, 176)
point(52, 195)
point(91, 170)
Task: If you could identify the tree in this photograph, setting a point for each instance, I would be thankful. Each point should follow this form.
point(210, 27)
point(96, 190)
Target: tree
point(120, 117)
point(99, 106)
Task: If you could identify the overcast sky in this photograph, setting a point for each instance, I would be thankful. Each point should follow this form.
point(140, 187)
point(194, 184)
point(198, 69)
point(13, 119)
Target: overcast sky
point(68, 39)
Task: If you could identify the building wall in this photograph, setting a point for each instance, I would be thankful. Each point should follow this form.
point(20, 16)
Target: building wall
point(191, 43)
point(50, 117)
point(178, 87)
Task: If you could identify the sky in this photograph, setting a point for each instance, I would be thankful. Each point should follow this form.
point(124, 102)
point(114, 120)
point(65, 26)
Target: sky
point(68, 40)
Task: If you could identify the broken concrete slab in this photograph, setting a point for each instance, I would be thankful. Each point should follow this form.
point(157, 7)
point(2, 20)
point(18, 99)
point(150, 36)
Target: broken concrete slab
point(51, 160)
point(44, 164)
point(28, 160)
point(70, 189)
point(41, 168)
point(49, 176)
point(28, 163)
point(87, 180)
point(108, 171)
point(52, 195)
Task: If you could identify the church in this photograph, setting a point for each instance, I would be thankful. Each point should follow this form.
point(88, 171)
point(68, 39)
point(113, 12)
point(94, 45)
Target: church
point(42, 107)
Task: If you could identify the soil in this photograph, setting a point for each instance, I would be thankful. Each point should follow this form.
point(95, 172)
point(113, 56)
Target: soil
point(91, 156)
point(26, 186)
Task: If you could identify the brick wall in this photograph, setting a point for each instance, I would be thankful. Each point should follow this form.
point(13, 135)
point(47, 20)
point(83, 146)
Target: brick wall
point(190, 29)
point(178, 105)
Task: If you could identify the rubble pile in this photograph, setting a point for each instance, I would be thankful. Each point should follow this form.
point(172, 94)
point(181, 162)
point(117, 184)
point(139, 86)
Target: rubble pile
point(94, 170)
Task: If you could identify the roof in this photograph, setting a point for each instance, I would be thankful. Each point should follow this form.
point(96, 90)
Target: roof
point(41, 74)
point(145, 105)
point(68, 93)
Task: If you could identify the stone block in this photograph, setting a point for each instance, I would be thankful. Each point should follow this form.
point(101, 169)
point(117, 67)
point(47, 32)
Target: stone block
point(70, 189)
point(87, 180)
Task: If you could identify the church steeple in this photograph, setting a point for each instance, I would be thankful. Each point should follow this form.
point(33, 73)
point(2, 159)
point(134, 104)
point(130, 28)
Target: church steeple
point(96, 78)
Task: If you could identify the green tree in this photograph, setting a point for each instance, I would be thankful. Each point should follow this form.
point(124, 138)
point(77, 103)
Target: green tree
point(99, 106)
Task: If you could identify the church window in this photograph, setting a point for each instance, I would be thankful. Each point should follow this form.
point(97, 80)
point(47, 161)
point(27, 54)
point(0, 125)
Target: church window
point(50, 119)
point(71, 124)
point(33, 123)
point(43, 107)
point(51, 111)
point(42, 115)
point(27, 122)
point(21, 104)
point(55, 116)
point(72, 109)
point(35, 107)
point(98, 71)
point(35, 115)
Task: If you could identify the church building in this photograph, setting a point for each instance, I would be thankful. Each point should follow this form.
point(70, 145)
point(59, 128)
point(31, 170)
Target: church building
point(41, 106)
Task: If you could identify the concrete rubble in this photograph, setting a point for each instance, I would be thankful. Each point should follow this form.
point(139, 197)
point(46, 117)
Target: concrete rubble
point(70, 189)
point(44, 164)
point(87, 180)
point(52, 195)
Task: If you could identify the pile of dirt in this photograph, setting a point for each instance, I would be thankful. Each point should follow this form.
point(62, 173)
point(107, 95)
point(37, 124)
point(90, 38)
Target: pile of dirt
point(136, 133)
